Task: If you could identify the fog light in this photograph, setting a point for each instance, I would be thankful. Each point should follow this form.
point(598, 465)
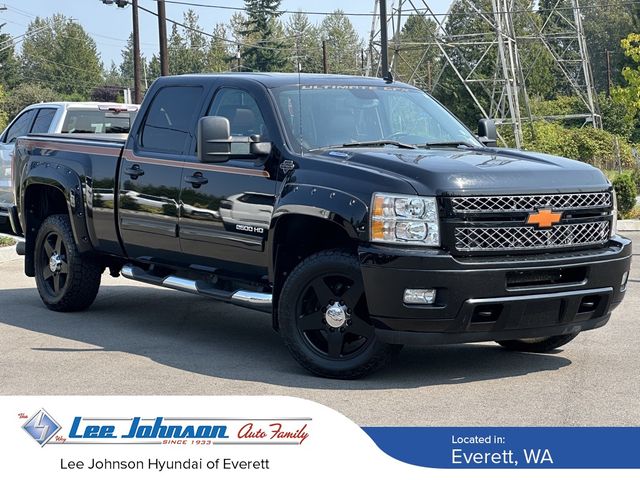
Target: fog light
point(623, 283)
point(420, 296)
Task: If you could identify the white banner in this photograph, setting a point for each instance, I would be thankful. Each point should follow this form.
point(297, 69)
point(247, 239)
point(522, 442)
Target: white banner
point(187, 437)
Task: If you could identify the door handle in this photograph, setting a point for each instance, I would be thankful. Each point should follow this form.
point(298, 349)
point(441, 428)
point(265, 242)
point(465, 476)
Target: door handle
point(196, 180)
point(134, 172)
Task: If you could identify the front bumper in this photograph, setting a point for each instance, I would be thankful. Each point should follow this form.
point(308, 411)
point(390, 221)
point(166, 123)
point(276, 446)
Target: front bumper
point(489, 298)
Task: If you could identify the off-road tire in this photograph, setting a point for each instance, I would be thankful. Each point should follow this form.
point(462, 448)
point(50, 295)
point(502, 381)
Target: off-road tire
point(340, 272)
point(78, 276)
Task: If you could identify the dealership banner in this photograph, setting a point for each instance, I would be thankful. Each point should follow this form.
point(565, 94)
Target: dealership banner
point(186, 437)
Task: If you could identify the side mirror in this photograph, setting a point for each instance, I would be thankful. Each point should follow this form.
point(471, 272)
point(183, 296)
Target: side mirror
point(487, 132)
point(214, 139)
point(215, 143)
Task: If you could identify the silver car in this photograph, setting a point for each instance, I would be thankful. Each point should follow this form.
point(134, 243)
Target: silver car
point(57, 117)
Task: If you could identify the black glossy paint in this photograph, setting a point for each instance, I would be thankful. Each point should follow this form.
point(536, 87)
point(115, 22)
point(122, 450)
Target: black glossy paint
point(225, 216)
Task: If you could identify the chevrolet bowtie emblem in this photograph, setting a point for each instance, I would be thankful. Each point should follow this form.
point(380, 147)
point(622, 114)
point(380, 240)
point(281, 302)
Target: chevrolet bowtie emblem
point(545, 218)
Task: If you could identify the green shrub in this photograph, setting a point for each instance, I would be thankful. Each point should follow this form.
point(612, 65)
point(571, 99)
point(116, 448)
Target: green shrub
point(626, 192)
point(617, 118)
point(596, 147)
point(6, 241)
point(635, 174)
point(551, 138)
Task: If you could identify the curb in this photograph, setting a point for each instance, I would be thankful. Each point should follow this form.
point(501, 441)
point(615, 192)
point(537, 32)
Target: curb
point(8, 253)
point(628, 225)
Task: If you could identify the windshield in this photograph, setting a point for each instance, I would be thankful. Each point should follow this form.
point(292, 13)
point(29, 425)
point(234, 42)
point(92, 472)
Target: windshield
point(97, 121)
point(335, 115)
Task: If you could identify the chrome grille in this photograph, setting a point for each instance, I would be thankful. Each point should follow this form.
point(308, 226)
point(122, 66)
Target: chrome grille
point(528, 203)
point(487, 239)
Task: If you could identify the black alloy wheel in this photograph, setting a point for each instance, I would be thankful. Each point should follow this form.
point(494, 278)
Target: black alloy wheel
point(53, 262)
point(67, 280)
point(324, 320)
point(331, 316)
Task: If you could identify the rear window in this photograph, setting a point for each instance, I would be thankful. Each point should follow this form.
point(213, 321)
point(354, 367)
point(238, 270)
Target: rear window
point(97, 121)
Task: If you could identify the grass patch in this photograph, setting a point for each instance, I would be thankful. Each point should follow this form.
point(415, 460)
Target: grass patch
point(6, 241)
point(633, 214)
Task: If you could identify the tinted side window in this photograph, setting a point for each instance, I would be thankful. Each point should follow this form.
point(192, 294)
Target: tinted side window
point(20, 126)
point(245, 118)
point(170, 119)
point(43, 120)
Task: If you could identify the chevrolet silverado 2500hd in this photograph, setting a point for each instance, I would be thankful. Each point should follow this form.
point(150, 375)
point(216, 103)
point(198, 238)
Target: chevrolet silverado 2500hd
point(359, 213)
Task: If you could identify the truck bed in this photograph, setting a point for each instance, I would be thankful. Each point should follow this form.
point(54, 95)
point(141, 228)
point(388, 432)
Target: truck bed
point(93, 159)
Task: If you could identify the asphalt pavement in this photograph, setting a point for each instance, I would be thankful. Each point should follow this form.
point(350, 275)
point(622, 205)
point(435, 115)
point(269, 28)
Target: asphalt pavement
point(138, 339)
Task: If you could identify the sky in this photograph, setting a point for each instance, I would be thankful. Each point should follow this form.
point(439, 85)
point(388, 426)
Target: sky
point(110, 26)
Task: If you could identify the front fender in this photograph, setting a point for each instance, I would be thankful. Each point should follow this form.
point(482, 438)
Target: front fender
point(347, 212)
point(337, 206)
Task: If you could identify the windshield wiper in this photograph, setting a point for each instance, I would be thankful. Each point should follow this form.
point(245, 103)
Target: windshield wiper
point(379, 143)
point(450, 144)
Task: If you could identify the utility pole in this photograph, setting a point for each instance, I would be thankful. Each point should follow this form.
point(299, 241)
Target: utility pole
point(162, 33)
point(137, 70)
point(608, 52)
point(384, 44)
point(137, 83)
point(325, 60)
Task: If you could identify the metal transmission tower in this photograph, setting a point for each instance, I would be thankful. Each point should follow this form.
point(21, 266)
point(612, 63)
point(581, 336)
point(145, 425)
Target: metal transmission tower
point(563, 36)
point(487, 61)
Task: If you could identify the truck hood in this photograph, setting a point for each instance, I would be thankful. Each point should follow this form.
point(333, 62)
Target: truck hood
point(437, 171)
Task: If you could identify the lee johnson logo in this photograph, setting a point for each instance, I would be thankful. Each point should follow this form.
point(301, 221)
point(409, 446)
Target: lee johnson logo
point(169, 431)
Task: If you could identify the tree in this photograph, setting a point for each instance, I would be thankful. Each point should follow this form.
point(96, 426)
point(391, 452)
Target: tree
point(187, 47)
point(9, 67)
point(265, 52)
point(196, 45)
point(629, 94)
point(218, 55)
point(415, 63)
point(26, 94)
point(4, 118)
point(126, 69)
point(475, 55)
point(605, 26)
point(303, 40)
point(112, 76)
point(343, 41)
point(59, 53)
point(176, 49)
point(473, 28)
point(106, 93)
point(153, 69)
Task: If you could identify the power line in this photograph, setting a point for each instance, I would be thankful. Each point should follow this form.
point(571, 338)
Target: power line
point(216, 37)
point(371, 14)
point(244, 9)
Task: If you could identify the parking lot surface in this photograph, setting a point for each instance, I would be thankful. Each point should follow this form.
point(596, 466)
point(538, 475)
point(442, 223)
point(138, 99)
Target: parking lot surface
point(138, 339)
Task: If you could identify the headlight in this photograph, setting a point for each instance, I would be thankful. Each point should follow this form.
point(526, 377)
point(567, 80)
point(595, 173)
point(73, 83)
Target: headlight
point(404, 220)
point(614, 212)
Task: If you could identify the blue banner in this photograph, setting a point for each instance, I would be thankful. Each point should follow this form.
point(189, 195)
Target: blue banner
point(511, 447)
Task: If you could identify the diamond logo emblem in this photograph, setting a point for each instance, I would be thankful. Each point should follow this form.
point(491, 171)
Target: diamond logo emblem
point(41, 427)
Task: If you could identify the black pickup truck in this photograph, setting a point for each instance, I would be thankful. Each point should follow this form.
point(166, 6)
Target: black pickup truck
point(358, 212)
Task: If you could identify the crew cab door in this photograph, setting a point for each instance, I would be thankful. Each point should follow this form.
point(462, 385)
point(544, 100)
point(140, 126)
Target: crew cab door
point(151, 174)
point(226, 207)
